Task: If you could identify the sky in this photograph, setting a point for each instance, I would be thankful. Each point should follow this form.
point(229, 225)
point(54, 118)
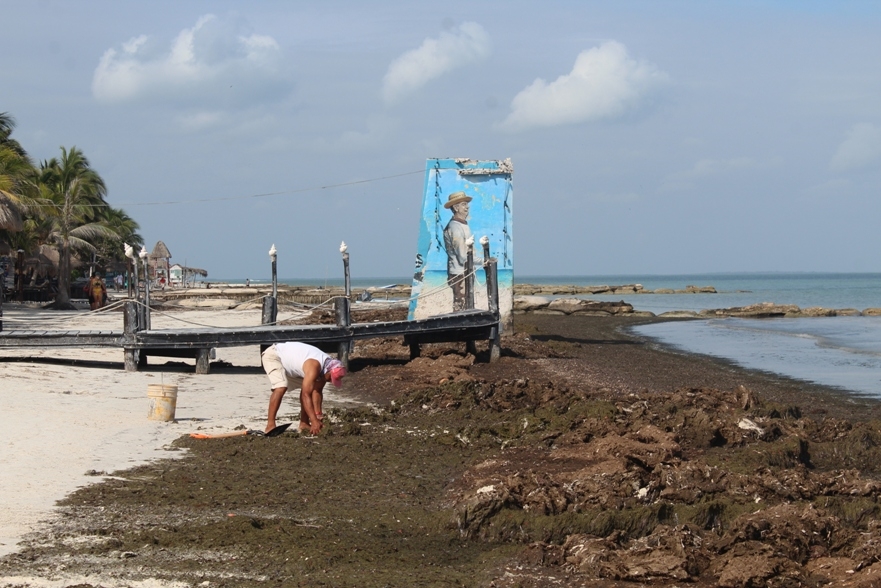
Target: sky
point(647, 137)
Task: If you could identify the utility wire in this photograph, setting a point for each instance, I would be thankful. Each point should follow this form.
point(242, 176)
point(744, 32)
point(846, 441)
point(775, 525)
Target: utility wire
point(241, 197)
point(300, 190)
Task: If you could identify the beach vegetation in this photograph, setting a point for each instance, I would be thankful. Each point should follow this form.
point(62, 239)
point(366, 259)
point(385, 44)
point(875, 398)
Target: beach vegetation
point(71, 195)
point(60, 203)
point(16, 169)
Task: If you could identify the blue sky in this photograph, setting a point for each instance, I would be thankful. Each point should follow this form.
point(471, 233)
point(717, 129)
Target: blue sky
point(646, 137)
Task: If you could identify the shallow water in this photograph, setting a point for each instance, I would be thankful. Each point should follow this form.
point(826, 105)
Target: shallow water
point(844, 352)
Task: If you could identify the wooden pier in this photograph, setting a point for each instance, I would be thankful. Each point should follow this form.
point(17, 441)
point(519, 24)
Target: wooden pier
point(138, 341)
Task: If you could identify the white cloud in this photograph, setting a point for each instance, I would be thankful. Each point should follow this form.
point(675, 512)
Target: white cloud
point(461, 46)
point(861, 149)
point(214, 64)
point(605, 83)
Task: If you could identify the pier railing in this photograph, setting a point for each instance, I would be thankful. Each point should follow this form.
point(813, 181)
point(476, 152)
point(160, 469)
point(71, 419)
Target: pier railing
point(138, 340)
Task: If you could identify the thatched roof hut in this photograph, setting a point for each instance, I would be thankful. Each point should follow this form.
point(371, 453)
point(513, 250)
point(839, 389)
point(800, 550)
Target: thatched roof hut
point(160, 251)
point(158, 261)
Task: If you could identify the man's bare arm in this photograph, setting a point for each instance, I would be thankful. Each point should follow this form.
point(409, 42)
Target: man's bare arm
point(313, 381)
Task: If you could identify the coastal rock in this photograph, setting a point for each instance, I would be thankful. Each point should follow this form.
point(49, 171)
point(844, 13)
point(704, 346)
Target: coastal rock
point(567, 305)
point(680, 314)
point(817, 311)
point(564, 290)
point(700, 290)
point(627, 289)
point(571, 306)
point(872, 312)
point(529, 303)
point(578, 306)
point(760, 310)
point(772, 310)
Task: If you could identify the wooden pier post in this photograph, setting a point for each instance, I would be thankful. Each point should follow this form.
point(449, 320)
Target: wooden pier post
point(273, 256)
point(342, 308)
point(469, 276)
point(145, 324)
point(130, 317)
point(269, 315)
point(470, 346)
point(490, 266)
point(344, 249)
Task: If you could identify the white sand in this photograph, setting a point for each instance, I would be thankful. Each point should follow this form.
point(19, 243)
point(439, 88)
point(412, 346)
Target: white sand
point(61, 421)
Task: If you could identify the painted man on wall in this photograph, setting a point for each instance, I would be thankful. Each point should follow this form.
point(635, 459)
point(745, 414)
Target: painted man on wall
point(456, 234)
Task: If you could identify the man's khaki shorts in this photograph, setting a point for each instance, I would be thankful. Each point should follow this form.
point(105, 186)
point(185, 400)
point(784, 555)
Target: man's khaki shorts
point(278, 378)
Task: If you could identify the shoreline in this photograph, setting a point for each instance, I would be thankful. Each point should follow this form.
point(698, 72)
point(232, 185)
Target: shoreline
point(374, 455)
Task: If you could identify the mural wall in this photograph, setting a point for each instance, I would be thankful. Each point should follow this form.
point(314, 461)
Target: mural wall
point(463, 198)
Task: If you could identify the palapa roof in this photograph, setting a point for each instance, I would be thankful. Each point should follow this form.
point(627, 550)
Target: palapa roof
point(160, 251)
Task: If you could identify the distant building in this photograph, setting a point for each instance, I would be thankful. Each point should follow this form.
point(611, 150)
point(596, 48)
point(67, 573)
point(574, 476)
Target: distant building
point(183, 277)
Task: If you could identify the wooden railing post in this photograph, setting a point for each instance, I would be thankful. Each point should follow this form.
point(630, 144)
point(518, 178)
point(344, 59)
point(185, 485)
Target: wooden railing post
point(130, 326)
point(342, 308)
point(490, 266)
point(469, 277)
point(269, 313)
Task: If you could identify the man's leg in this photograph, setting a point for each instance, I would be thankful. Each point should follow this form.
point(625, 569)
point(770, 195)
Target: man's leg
point(278, 382)
point(457, 283)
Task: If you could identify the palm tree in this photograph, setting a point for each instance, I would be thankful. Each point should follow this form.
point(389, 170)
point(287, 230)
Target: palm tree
point(15, 171)
point(125, 229)
point(72, 196)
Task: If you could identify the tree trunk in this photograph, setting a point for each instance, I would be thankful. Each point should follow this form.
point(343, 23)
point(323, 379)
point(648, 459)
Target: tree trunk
point(62, 298)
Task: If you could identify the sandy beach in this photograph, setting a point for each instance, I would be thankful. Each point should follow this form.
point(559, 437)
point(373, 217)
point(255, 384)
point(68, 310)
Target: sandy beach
point(585, 456)
point(73, 416)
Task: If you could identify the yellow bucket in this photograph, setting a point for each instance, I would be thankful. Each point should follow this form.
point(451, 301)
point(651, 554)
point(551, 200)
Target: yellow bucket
point(163, 401)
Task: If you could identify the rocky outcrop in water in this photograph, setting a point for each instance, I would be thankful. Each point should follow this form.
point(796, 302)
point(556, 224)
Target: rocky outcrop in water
point(562, 290)
point(571, 306)
point(580, 306)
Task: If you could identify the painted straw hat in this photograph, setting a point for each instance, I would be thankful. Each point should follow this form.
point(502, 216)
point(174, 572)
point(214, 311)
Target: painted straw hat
point(456, 198)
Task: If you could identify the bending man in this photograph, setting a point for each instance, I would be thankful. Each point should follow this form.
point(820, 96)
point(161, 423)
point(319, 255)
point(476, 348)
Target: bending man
point(292, 365)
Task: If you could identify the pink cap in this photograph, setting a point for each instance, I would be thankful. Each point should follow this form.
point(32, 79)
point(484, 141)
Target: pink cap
point(336, 376)
point(336, 371)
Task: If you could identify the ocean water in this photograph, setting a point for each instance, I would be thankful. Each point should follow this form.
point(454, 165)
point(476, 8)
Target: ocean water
point(842, 352)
